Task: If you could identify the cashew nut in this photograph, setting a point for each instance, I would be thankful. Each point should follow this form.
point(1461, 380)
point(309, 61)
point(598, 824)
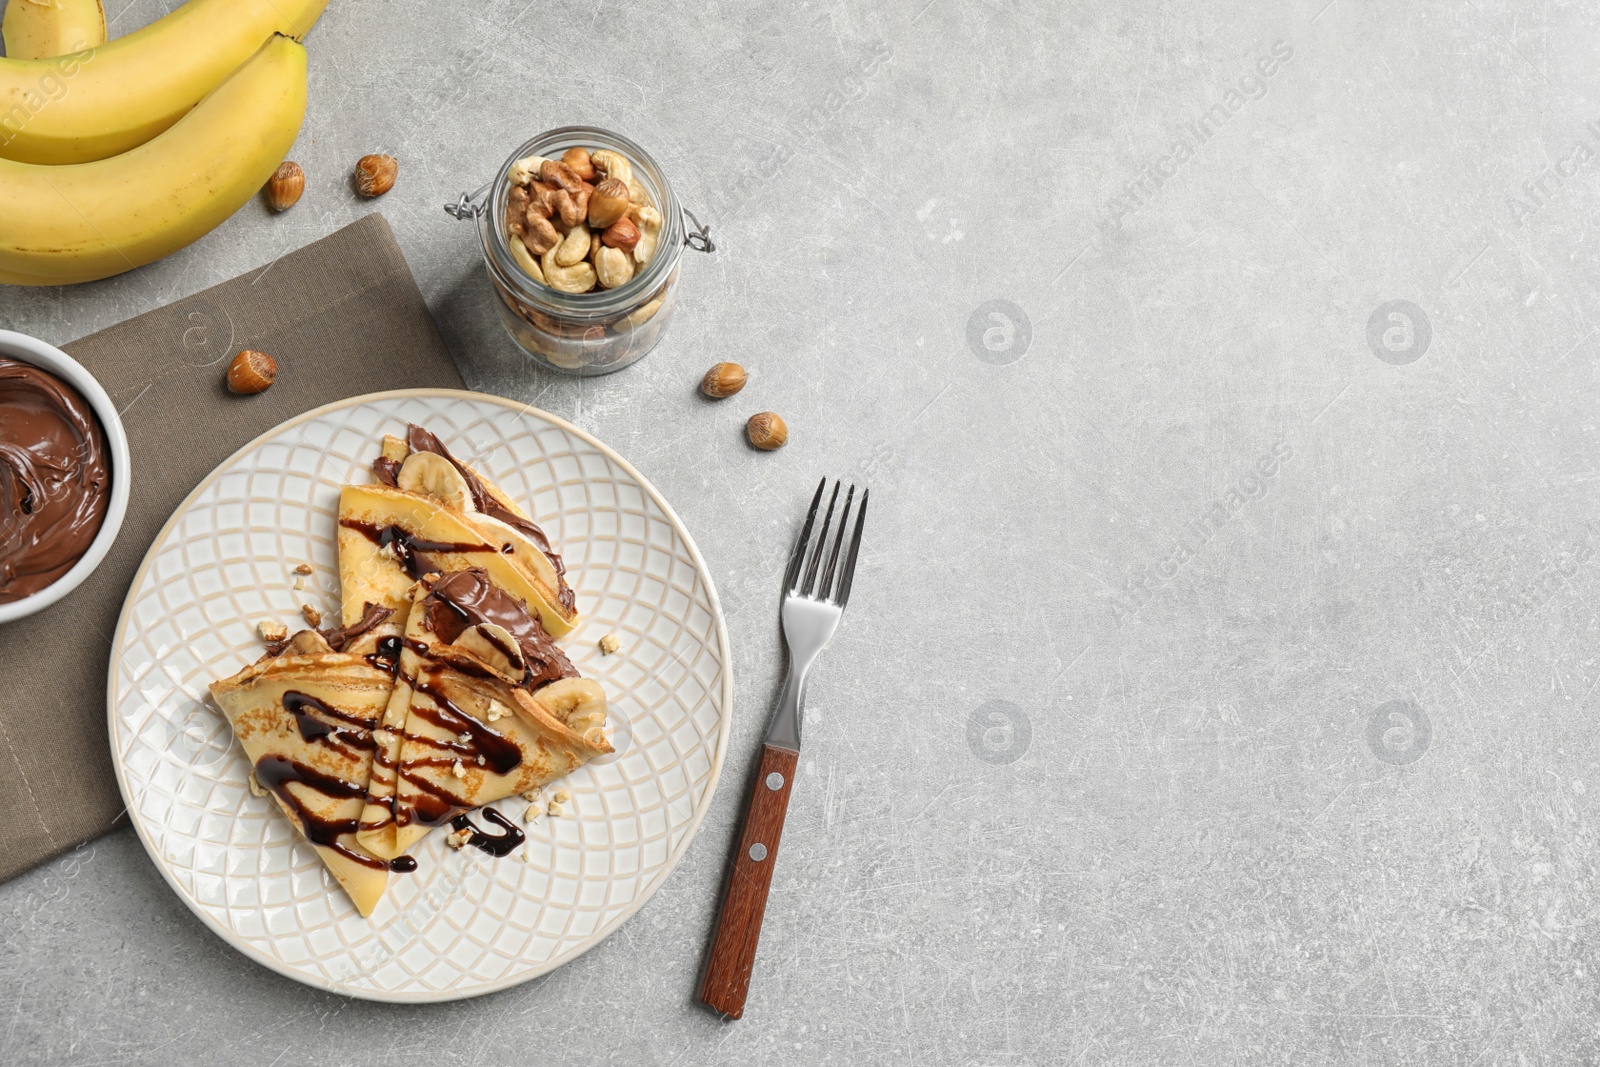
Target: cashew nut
point(644, 314)
point(612, 267)
point(649, 222)
point(525, 170)
point(525, 260)
point(577, 278)
point(574, 247)
point(637, 193)
point(609, 164)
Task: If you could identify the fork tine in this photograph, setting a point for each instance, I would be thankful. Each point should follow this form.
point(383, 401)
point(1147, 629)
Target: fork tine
point(799, 554)
point(855, 546)
point(822, 542)
point(825, 591)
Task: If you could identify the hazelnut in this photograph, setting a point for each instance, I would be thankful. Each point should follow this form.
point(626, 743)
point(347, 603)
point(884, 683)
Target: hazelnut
point(608, 204)
point(271, 631)
point(251, 372)
point(285, 186)
point(312, 616)
point(578, 161)
point(304, 568)
point(724, 379)
point(608, 644)
point(767, 431)
point(375, 174)
point(623, 234)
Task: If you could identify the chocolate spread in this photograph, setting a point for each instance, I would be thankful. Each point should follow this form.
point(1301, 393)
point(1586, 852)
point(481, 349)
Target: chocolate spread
point(467, 598)
point(55, 478)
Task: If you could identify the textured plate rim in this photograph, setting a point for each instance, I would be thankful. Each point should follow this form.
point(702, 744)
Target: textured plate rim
point(600, 934)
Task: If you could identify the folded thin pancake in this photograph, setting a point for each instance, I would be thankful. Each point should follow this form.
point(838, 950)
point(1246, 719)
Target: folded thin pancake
point(305, 719)
point(389, 538)
point(433, 512)
point(485, 707)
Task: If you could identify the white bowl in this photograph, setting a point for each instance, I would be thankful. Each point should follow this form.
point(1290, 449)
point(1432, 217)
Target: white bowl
point(21, 347)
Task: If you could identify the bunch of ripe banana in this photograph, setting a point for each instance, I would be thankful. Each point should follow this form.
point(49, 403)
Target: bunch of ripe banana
point(115, 154)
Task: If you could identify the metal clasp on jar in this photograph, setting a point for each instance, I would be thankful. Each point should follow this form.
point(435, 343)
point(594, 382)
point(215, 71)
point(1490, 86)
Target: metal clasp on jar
point(472, 205)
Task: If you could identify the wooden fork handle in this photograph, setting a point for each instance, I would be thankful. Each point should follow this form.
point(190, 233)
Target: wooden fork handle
point(744, 900)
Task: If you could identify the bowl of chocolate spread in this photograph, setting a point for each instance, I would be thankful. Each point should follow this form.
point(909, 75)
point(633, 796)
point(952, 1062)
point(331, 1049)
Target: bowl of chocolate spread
point(63, 474)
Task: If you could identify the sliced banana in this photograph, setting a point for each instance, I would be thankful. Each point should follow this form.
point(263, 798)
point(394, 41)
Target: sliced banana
point(431, 475)
point(523, 550)
point(578, 702)
point(495, 647)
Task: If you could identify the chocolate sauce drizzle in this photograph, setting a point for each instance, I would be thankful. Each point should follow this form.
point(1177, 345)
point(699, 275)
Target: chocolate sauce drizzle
point(411, 550)
point(497, 845)
point(349, 730)
point(277, 773)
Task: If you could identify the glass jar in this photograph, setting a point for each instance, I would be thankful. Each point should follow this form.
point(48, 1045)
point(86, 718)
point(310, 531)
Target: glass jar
point(596, 332)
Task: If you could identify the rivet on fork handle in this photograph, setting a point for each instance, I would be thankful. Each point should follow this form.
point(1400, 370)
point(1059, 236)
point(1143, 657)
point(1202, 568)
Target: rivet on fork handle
point(733, 948)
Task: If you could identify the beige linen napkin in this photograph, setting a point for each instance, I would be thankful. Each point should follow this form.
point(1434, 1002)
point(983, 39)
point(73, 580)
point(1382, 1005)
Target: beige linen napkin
point(342, 316)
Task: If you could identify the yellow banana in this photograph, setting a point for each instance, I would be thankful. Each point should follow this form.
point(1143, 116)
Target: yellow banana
point(82, 221)
point(101, 101)
point(42, 29)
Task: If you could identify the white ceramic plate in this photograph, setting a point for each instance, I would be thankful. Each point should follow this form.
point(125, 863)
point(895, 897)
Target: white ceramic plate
point(464, 924)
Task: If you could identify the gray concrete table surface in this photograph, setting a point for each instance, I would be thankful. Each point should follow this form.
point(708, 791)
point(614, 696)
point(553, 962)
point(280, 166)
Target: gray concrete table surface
point(1219, 682)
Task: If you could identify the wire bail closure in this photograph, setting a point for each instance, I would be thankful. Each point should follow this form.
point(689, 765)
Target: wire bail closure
point(472, 205)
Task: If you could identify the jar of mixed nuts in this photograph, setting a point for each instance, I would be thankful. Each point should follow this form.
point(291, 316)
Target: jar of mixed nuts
point(581, 237)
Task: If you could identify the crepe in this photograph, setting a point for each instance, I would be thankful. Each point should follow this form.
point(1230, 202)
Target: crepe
point(305, 717)
point(431, 513)
point(485, 707)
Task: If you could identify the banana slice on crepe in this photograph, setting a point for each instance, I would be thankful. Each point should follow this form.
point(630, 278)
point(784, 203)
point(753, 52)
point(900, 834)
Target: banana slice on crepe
point(305, 718)
point(422, 465)
point(390, 538)
point(485, 707)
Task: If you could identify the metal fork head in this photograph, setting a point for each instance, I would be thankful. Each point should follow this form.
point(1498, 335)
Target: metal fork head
point(806, 577)
point(814, 597)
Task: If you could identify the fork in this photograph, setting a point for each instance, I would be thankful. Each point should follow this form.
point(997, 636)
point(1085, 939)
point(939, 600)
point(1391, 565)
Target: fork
point(811, 613)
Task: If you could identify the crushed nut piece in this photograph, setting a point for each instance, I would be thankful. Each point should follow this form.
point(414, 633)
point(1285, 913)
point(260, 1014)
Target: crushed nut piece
point(464, 737)
point(563, 796)
point(255, 786)
point(388, 550)
point(271, 631)
point(480, 761)
point(531, 796)
point(312, 616)
point(497, 711)
point(301, 585)
point(457, 770)
point(459, 839)
point(556, 810)
point(533, 812)
point(609, 644)
point(304, 568)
